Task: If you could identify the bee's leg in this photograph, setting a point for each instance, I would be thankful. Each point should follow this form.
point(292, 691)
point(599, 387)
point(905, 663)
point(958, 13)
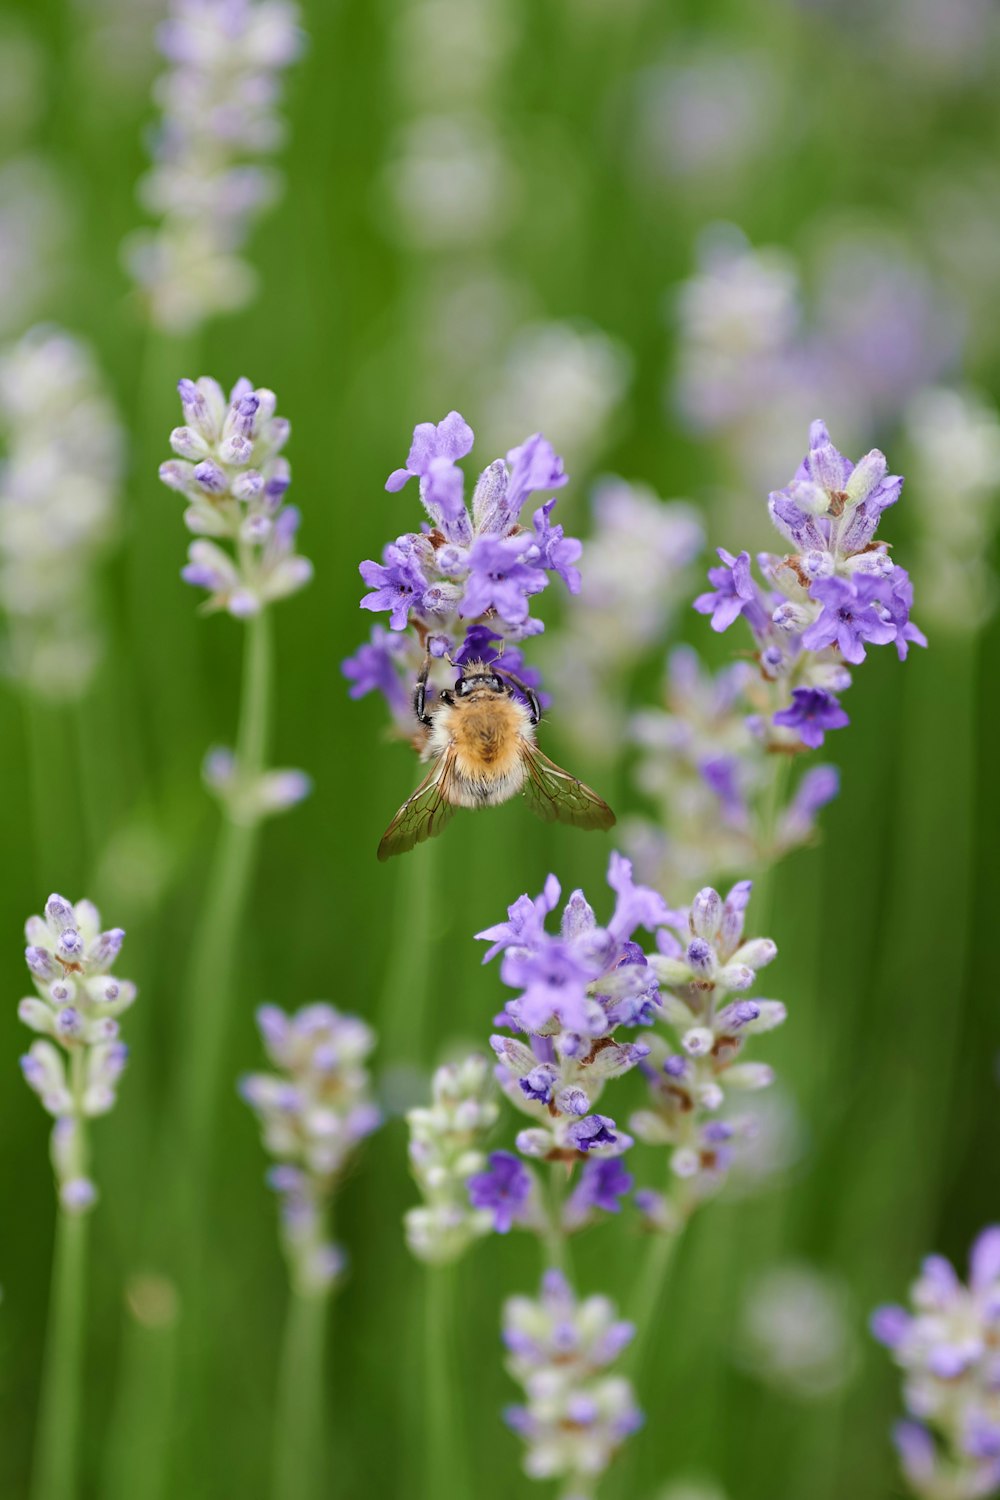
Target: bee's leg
point(420, 694)
point(534, 707)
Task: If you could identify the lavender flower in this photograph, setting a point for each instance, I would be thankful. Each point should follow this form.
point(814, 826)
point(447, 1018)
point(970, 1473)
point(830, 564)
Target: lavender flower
point(218, 99)
point(445, 1142)
point(58, 508)
point(835, 595)
point(314, 1112)
point(575, 1417)
point(248, 799)
point(461, 587)
point(708, 772)
point(577, 990)
point(504, 1189)
point(950, 1445)
point(75, 1069)
point(704, 969)
point(230, 471)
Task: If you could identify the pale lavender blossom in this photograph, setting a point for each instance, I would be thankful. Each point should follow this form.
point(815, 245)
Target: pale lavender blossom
point(219, 116)
point(575, 1416)
point(75, 1067)
point(949, 1446)
point(707, 770)
point(59, 494)
point(231, 472)
point(706, 970)
point(446, 1140)
point(314, 1111)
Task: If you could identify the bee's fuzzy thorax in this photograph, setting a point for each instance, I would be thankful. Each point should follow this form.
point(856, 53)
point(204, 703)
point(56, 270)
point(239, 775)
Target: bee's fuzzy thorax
point(486, 734)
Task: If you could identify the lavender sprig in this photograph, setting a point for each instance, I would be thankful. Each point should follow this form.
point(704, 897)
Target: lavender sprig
point(58, 508)
point(575, 1416)
point(314, 1111)
point(826, 602)
point(75, 1068)
point(445, 1153)
point(818, 611)
point(219, 100)
point(230, 470)
point(949, 1446)
point(461, 587)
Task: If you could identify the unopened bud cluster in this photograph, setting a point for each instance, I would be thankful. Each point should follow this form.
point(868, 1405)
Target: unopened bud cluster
point(705, 970)
point(575, 1415)
point(314, 1110)
point(75, 1066)
point(445, 1151)
point(218, 99)
point(230, 471)
point(710, 777)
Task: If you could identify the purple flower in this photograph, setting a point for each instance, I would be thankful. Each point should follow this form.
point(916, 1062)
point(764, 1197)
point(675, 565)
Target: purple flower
point(502, 578)
point(556, 551)
point(733, 591)
point(811, 713)
point(372, 669)
point(397, 583)
point(534, 466)
point(503, 1189)
point(602, 1184)
point(592, 1131)
point(849, 618)
point(894, 594)
point(449, 440)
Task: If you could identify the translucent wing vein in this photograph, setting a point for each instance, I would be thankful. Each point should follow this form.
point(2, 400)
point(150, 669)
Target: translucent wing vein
point(423, 815)
point(556, 796)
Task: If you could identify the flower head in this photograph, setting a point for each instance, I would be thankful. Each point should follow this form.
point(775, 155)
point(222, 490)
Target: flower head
point(445, 1153)
point(75, 1067)
point(58, 507)
point(218, 99)
point(230, 470)
point(946, 1348)
point(462, 586)
point(314, 1111)
point(575, 1416)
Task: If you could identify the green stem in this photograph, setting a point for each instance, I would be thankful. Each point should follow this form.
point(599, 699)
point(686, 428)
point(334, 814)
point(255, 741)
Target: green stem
point(646, 1310)
point(210, 989)
point(298, 1466)
point(57, 1441)
point(403, 1007)
point(446, 1470)
point(55, 1475)
point(556, 1248)
point(767, 853)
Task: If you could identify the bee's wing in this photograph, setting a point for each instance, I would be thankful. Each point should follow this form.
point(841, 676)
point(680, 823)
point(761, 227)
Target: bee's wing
point(424, 814)
point(554, 795)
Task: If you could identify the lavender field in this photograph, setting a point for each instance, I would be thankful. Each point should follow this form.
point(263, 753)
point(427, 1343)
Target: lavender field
point(498, 592)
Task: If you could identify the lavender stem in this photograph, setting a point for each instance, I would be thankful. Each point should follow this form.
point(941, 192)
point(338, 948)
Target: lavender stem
point(55, 1473)
point(298, 1466)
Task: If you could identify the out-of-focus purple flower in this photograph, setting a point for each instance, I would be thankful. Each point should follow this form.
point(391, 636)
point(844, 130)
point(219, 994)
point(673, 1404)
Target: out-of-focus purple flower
point(504, 1189)
point(602, 1185)
point(218, 100)
point(313, 1110)
point(811, 713)
point(575, 1416)
point(946, 1348)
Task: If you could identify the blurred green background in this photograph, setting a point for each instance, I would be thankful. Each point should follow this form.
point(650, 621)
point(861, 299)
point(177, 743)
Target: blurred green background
point(387, 297)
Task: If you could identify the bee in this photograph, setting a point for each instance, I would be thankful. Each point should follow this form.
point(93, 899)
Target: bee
point(481, 739)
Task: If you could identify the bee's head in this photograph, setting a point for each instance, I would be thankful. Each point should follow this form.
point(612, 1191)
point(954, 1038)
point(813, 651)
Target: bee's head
point(477, 677)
